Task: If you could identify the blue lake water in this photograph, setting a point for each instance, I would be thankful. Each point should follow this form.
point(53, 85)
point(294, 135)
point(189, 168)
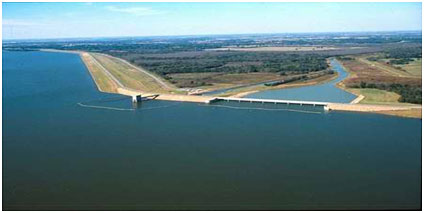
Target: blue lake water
point(326, 92)
point(58, 155)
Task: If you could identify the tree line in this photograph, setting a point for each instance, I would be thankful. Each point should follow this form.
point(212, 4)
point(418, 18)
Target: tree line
point(231, 62)
point(408, 93)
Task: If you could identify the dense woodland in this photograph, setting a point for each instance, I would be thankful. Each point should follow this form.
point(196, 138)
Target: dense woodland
point(399, 55)
point(403, 55)
point(404, 52)
point(233, 62)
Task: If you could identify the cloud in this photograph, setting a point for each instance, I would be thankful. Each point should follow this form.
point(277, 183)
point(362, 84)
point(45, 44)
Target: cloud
point(137, 11)
point(19, 23)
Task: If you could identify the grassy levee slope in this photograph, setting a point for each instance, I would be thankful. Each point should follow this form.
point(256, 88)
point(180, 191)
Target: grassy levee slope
point(129, 76)
point(103, 82)
point(376, 96)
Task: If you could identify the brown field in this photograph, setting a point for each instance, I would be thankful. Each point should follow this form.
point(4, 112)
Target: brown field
point(390, 70)
point(362, 70)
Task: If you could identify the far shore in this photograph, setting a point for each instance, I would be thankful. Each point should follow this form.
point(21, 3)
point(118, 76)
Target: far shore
point(62, 51)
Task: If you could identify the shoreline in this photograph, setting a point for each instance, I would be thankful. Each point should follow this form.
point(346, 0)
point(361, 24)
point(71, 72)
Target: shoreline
point(310, 82)
point(380, 109)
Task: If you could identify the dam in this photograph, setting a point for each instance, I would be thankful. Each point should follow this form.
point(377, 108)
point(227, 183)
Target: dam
point(328, 106)
point(334, 104)
point(274, 101)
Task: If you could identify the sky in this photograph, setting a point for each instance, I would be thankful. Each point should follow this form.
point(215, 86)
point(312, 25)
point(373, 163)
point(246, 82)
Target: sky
point(82, 20)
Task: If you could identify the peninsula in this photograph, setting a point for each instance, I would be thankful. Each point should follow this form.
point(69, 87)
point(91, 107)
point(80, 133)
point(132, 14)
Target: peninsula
point(114, 75)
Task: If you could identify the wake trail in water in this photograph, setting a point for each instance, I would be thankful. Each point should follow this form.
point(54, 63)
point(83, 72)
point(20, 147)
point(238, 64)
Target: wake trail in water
point(263, 109)
point(104, 107)
point(114, 99)
point(105, 100)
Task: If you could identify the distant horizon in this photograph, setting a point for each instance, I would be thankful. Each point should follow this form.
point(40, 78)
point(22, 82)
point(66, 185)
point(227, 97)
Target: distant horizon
point(206, 35)
point(38, 21)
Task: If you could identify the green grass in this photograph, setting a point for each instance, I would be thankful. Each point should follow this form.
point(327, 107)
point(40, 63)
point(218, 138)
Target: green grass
point(128, 76)
point(376, 96)
point(103, 82)
point(414, 67)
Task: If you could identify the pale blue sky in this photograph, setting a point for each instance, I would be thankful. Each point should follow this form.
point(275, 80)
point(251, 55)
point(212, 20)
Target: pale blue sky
point(73, 20)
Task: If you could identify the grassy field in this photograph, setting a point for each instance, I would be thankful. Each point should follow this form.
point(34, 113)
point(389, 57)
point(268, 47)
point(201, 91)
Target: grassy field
point(376, 96)
point(381, 66)
point(413, 68)
point(129, 76)
point(103, 82)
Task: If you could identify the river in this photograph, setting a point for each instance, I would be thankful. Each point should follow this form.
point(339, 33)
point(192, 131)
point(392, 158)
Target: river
point(326, 92)
point(60, 155)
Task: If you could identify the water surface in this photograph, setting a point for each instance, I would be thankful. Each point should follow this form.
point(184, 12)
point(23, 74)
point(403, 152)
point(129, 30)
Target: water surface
point(326, 92)
point(170, 155)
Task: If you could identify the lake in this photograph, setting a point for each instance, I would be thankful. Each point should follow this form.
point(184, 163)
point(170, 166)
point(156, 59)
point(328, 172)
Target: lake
point(62, 152)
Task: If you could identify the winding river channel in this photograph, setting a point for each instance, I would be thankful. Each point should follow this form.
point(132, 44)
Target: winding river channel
point(61, 153)
point(326, 92)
